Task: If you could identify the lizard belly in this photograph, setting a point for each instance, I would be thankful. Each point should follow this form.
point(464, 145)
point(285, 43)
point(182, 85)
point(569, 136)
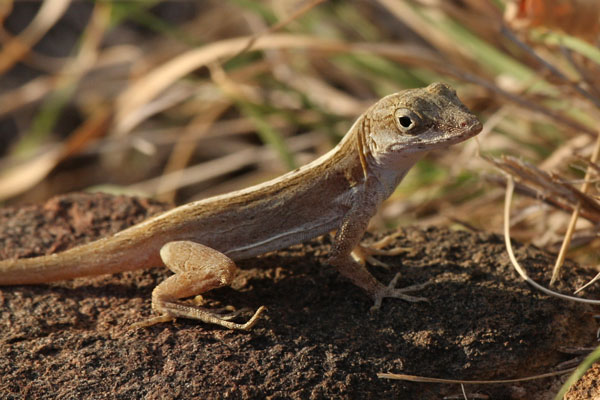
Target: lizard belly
point(282, 239)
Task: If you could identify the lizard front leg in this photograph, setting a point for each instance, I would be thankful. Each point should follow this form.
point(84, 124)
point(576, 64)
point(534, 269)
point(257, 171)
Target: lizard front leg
point(197, 269)
point(347, 238)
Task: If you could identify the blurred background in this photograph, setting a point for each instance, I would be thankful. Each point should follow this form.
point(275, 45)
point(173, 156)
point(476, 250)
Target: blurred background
point(184, 99)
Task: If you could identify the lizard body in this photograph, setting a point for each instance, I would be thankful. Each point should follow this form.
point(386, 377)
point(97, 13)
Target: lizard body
point(340, 191)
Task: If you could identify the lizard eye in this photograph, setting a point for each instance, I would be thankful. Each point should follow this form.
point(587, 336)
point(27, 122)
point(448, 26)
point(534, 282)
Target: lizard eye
point(407, 121)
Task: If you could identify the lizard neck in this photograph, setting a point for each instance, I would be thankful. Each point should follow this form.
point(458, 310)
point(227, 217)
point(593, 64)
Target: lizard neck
point(376, 163)
point(389, 177)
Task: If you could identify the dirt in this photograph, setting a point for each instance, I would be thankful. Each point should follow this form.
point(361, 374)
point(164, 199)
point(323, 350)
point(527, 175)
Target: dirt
point(318, 340)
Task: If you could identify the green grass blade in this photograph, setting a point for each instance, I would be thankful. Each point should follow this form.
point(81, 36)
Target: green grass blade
point(593, 357)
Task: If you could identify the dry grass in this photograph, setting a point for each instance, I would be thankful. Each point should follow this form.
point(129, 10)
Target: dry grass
point(183, 100)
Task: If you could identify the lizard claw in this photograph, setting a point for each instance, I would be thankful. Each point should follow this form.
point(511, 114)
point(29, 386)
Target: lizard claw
point(391, 291)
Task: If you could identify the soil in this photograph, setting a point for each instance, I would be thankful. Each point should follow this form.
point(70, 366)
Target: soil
point(318, 340)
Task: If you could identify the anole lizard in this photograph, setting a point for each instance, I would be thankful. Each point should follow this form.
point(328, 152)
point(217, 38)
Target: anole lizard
point(340, 191)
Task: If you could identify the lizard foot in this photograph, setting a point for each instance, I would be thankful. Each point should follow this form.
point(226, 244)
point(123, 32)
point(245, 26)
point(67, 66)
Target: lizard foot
point(172, 310)
point(364, 254)
point(199, 301)
point(391, 291)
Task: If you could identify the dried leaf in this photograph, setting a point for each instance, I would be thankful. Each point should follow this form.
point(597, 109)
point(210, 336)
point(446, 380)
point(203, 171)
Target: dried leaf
point(580, 18)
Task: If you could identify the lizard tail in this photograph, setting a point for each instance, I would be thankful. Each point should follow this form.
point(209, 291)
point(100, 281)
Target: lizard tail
point(104, 256)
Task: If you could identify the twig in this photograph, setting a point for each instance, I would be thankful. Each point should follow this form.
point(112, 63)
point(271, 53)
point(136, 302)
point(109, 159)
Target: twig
point(510, 186)
point(593, 280)
point(424, 379)
point(279, 25)
point(571, 228)
point(508, 34)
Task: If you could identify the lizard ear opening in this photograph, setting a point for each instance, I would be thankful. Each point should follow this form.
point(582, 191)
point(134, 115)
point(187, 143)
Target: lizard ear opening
point(407, 121)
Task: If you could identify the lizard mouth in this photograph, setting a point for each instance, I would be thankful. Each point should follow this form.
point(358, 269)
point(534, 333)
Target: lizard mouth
point(470, 130)
point(456, 134)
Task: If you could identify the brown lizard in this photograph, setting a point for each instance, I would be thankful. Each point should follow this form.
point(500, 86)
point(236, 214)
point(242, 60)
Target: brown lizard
point(339, 191)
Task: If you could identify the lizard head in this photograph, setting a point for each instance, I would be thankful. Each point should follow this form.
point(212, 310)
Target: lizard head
point(412, 122)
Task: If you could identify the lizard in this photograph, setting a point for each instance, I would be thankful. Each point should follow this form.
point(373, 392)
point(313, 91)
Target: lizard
point(339, 191)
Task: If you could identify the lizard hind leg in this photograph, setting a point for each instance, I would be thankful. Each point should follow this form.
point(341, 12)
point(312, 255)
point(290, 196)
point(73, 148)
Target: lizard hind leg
point(197, 269)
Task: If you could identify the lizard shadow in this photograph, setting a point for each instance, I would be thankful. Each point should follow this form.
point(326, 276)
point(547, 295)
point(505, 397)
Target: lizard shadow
point(299, 289)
